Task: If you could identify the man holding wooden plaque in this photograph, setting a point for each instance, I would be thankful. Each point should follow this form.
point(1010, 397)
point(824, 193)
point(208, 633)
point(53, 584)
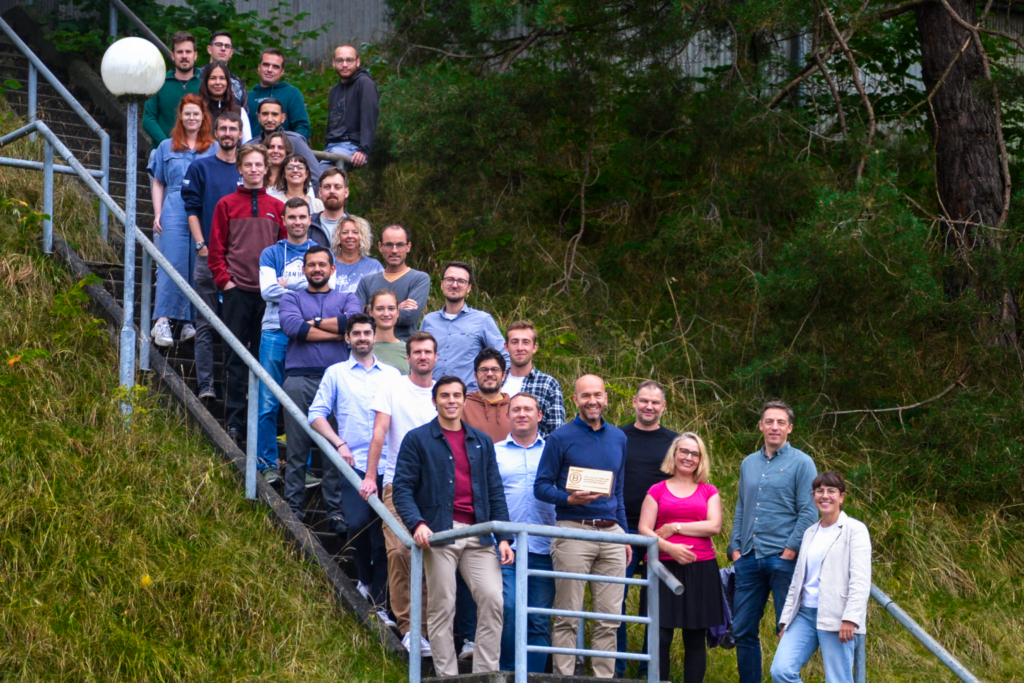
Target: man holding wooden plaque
point(581, 473)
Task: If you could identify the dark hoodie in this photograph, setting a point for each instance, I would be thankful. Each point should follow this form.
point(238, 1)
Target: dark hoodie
point(353, 106)
point(489, 418)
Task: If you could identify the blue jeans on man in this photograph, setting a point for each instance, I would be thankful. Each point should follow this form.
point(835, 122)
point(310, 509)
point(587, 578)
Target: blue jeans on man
point(273, 344)
point(755, 580)
point(801, 639)
point(345, 147)
point(540, 593)
point(637, 565)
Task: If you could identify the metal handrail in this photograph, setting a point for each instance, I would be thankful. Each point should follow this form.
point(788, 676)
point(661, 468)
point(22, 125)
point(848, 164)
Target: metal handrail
point(36, 66)
point(118, 6)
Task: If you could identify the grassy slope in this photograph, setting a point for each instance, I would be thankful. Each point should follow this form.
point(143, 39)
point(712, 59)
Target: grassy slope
point(131, 555)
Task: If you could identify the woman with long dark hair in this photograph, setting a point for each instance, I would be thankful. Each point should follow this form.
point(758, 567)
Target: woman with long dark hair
point(190, 139)
point(295, 180)
point(218, 96)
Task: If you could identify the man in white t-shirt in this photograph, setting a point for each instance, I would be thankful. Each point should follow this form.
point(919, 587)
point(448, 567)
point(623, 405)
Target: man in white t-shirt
point(400, 406)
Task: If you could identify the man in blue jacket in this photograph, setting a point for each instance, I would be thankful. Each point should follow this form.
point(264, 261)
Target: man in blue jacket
point(314, 320)
point(587, 441)
point(447, 477)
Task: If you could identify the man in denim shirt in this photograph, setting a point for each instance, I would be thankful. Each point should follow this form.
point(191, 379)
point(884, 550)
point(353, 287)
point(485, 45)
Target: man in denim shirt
point(774, 508)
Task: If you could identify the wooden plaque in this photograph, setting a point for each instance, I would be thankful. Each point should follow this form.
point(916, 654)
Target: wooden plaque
point(585, 479)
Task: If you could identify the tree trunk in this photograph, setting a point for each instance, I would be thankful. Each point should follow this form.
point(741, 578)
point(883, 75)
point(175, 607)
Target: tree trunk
point(967, 154)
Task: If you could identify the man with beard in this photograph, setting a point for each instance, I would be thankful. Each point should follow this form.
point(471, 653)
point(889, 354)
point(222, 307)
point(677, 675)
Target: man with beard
point(353, 106)
point(161, 110)
point(314, 320)
point(272, 86)
point(334, 195)
point(461, 332)
point(207, 181)
point(411, 286)
point(272, 117)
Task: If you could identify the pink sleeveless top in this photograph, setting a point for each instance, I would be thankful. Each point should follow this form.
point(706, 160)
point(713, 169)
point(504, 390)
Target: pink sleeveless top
point(694, 508)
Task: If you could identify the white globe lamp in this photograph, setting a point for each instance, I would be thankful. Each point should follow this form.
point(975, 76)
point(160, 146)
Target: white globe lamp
point(133, 67)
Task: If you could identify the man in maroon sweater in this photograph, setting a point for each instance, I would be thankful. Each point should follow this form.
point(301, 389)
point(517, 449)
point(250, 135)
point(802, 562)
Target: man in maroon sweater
point(244, 224)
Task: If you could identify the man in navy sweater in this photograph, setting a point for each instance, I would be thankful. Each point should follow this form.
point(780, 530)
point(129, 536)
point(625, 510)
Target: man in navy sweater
point(587, 441)
point(314, 320)
point(207, 181)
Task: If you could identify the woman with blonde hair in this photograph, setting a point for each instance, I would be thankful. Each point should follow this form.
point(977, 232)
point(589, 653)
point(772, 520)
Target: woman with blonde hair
point(685, 512)
point(351, 246)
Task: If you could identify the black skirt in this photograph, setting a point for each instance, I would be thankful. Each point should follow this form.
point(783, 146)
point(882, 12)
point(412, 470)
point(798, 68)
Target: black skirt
point(700, 605)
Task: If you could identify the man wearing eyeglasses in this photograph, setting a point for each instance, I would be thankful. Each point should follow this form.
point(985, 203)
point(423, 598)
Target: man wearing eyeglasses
point(461, 332)
point(773, 510)
point(411, 286)
point(221, 49)
point(352, 108)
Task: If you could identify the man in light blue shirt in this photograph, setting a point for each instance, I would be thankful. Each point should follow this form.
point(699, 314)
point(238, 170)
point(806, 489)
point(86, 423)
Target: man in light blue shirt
point(461, 332)
point(518, 457)
point(346, 392)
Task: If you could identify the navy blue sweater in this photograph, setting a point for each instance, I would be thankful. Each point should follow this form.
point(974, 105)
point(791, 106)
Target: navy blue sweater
point(576, 444)
point(204, 185)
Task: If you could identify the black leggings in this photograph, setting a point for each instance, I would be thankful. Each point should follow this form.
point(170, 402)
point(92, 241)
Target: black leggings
point(695, 659)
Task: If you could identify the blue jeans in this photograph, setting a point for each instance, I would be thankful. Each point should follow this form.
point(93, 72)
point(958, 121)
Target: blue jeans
point(801, 639)
point(636, 566)
point(755, 579)
point(272, 347)
point(348, 148)
point(540, 593)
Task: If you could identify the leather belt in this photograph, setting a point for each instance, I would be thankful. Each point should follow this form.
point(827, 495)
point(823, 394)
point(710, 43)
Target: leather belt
point(598, 523)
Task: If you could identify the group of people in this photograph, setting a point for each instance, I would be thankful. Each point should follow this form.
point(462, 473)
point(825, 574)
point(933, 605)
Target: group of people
point(446, 418)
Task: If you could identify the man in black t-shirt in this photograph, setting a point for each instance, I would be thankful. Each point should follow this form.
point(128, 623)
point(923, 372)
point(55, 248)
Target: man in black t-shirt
point(647, 442)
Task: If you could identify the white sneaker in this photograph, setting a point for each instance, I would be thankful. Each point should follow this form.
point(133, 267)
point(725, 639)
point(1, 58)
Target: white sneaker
point(467, 650)
point(382, 614)
point(425, 650)
point(363, 590)
point(161, 333)
point(187, 332)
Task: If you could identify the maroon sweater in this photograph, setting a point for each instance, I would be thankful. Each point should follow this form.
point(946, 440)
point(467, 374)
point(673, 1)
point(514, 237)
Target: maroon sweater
point(463, 505)
point(244, 224)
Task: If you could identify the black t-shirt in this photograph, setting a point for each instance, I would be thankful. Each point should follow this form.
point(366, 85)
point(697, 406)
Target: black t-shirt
point(645, 451)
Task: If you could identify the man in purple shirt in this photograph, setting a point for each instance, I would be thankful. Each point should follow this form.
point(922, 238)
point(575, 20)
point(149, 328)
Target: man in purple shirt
point(314, 320)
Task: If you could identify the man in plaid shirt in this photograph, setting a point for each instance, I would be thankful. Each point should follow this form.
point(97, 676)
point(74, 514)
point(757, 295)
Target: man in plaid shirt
point(521, 344)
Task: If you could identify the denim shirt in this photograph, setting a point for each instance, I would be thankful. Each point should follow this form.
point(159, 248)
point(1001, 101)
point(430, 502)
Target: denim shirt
point(775, 503)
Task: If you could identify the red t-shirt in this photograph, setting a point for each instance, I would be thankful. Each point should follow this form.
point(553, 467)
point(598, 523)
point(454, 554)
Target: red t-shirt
point(463, 508)
point(693, 508)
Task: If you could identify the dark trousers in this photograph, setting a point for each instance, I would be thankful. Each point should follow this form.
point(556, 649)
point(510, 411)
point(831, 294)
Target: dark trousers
point(365, 532)
point(695, 661)
point(755, 581)
point(243, 314)
point(207, 290)
point(301, 390)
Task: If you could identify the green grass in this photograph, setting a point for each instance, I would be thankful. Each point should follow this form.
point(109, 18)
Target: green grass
point(130, 554)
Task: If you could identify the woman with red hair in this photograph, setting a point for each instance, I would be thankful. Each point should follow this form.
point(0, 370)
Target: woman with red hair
point(190, 140)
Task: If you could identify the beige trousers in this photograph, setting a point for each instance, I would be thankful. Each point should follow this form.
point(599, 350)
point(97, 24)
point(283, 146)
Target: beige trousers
point(399, 571)
point(587, 557)
point(481, 571)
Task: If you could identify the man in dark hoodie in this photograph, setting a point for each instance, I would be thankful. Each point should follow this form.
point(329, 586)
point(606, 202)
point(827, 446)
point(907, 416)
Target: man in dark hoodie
point(487, 408)
point(353, 105)
point(271, 73)
point(161, 110)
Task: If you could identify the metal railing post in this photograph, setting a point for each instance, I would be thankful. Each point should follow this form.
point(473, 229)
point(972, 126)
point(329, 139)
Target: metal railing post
point(860, 661)
point(127, 369)
point(33, 96)
point(251, 442)
point(104, 183)
point(522, 602)
point(653, 634)
point(48, 197)
point(415, 613)
point(145, 314)
point(113, 23)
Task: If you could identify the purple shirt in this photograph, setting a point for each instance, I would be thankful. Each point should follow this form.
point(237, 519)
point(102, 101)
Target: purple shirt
point(306, 358)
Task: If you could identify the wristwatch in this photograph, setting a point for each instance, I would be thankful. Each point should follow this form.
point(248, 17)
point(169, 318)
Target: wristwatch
point(316, 322)
point(677, 528)
point(200, 246)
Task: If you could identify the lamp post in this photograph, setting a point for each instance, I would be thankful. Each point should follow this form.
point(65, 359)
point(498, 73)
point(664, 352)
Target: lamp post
point(133, 70)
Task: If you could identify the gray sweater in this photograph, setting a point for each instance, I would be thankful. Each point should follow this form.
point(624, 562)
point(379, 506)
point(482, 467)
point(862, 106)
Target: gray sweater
point(413, 285)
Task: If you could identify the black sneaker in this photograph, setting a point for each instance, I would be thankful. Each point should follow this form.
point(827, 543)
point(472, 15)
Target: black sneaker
point(207, 394)
point(236, 435)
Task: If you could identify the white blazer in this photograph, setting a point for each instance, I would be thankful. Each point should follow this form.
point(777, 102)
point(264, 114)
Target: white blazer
point(845, 584)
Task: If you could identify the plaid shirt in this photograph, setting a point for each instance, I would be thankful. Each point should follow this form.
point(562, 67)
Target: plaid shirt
point(549, 394)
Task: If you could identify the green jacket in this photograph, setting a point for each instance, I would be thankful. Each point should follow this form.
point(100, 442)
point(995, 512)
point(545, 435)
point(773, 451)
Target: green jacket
point(161, 110)
point(294, 108)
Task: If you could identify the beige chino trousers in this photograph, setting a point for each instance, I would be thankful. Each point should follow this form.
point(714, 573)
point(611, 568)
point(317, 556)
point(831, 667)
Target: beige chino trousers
point(399, 573)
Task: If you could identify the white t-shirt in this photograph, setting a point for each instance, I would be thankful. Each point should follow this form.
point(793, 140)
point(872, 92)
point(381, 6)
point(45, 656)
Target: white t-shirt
point(513, 385)
point(820, 544)
point(410, 407)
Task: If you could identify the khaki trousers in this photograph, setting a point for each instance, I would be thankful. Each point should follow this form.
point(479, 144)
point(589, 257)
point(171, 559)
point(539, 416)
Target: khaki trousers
point(399, 571)
point(587, 557)
point(481, 570)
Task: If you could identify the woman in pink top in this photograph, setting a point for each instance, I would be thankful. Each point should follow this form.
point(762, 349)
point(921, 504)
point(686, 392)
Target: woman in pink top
point(685, 512)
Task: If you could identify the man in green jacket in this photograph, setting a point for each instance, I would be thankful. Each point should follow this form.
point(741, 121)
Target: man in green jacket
point(271, 72)
point(161, 110)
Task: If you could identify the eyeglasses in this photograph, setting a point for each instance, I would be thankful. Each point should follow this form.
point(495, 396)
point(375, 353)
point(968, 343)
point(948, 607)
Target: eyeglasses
point(222, 46)
point(394, 245)
point(346, 60)
point(687, 454)
point(295, 167)
point(489, 371)
point(826, 491)
point(461, 282)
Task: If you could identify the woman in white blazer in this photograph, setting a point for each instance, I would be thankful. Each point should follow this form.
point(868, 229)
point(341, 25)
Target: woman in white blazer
point(827, 604)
